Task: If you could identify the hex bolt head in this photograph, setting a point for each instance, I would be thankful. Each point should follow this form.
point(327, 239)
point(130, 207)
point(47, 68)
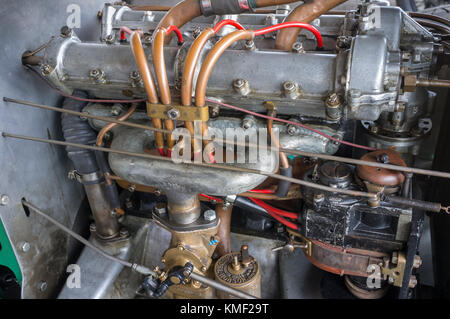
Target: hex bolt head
point(241, 86)
point(4, 200)
point(291, 89)
point(160, 209)
point(173, 114)
point(66, 32)
point(26, 247)
point(298, 47)
point(292, 130)
point(250, 45)
point(209, 215)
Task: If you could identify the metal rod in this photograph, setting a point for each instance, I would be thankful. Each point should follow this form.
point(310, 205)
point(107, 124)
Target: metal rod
point(139, 268)
point(289, 151)
point(219, 286)
point(214, 166)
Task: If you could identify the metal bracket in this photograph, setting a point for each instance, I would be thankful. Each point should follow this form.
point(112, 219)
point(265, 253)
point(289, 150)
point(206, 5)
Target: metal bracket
point(178, 112)
point(305, 241)
point(396, 273)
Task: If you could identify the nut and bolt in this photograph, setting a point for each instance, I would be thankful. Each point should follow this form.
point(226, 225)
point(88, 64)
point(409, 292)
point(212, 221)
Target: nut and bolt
point(412, 282)
point(318, 198)
point(4, 200)
point(292, 129)
point(196, 32)
point(291, 89)
point(46, 69)
point(241, 86)
point(209, 215)
point(66, 32)
point(97, 75)
point(110, 38)
point(333, 104)
point(204, 269)
point(132, 188)
point(248, 122)
point(374, 129)
point(173, 114)
point(394, 258)
point(26, 247)
point(417, 261)
point(160, 209)
point(214, 111)
point(92, 227)
point(250, 45)
point(298, 47)
point(116, 110)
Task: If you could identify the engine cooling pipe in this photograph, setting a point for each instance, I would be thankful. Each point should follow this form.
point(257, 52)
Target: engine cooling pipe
point(188, 10)
point(306, 13)
point(77, 130)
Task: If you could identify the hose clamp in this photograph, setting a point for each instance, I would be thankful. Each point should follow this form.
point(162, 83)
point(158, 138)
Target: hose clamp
point(86, 179)
point(206, 7)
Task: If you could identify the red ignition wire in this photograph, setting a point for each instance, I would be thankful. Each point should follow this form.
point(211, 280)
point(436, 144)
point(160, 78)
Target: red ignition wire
point(211, 198)
point(290, 122)
point(284, 25)
point(276, 210)
point(262, 191)
point(276, 216)
point(177, 31)
point(225, 22)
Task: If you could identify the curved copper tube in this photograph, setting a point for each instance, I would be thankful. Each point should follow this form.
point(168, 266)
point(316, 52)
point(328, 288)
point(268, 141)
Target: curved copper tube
point(109, 126)
point(284, 162)
point(188, 77)
point(304, 13)
point(212, 58)
point(159, 64)
point(147, 78)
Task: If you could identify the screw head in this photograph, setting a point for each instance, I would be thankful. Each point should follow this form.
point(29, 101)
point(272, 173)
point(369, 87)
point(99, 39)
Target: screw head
point(42, 286)
point(4, 200)
point(26, 247)
point(173, 114)
point(160, 209)
point(66, 31)
point(250, 45)
point(209, 215)
point(291, 130)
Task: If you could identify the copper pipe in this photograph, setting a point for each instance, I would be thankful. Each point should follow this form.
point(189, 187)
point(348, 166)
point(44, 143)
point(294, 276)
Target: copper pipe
point(150, 8)
point(433, 25)
point(224, 215)
point(304, 13)
point(159, 64)
point(284, 162)
point(208, 65)
point(212, 58)
point(268, 3)
point(430, 17)
point(188, 76)
point(109, 126)
point(149, 83)
point(433, 83)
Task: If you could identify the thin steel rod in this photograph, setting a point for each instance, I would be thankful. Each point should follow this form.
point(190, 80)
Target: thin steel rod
point(289, 151)
point(214, 166)
point(219, 286)
point(136, 267)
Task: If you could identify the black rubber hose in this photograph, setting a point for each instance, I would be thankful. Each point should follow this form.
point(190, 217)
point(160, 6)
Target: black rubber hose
point(407, 5)
point(284, 186)
point(247, 204)
point(77, 130)
point(221, 7)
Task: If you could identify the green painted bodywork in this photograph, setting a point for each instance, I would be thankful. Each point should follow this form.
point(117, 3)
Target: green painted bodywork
point(7, 256)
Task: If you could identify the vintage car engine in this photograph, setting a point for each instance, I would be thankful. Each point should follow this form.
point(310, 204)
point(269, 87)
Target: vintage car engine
point(221, 143)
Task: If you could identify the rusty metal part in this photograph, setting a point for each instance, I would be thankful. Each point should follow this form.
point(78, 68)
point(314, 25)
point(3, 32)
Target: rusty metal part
point(109, 126)
point(303, 13)
point(194, 247)
point(433, 25)
point(224, 214)
point(184, 113)
point(305, 242)
point(211, 59)
point(149, 83)
point(161, 76)
point(381, 176)
point(289, 151)
point(240, 271)
point(364, 293)
point(340, 261)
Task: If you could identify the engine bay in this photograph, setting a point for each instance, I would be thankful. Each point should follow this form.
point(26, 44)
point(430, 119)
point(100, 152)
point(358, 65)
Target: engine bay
point(226, 149)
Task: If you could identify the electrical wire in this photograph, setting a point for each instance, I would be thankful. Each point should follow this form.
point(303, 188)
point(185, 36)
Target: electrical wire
point(285, 25)
point(236, 108)
point(225, 22)
point(274, 215)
